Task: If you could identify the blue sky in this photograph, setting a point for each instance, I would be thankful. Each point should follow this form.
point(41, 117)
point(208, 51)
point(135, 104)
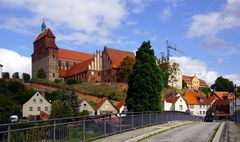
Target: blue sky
point(207, 31)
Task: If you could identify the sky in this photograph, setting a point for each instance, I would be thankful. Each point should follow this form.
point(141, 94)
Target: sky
point(206, 31)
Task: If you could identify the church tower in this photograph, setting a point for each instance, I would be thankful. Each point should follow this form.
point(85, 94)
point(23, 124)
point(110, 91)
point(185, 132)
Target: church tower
point(45, 54)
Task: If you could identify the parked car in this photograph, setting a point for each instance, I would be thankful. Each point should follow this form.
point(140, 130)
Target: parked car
point(13, 118)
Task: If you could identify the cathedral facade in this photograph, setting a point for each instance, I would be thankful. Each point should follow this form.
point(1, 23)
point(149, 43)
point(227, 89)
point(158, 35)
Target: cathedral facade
point(60, 63)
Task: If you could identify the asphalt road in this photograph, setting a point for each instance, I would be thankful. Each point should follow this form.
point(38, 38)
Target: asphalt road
point(195, 132)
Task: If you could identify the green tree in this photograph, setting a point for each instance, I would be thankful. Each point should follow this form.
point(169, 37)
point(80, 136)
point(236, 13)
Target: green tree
point(61, 109)
point(15, 75)
point(84, 113)
point(223, 84)
point(170, 70)
point(26, 77)
point(125, 68)
point(41, 74)
point(206, 90)
point(71, 81)
point(145, 81)
point(5, 75)
point(184, 84)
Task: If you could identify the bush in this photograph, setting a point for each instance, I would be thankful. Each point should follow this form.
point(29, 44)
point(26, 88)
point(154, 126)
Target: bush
point(71, 81)
point(57, 81)
point(26, 77)
point(41, 74)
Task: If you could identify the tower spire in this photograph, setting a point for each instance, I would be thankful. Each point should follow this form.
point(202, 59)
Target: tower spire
point(43, 27)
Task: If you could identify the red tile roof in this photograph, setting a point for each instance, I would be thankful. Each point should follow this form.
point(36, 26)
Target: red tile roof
point(221, 94)
point(47, 32)
point(172, 99)
point(120, 104)
point(117, 56)
point(73, 55)
point(193, 98)
point(187, 78)
point(62, 73)
point(100, 103)
point(203, 83)
point(78, 68)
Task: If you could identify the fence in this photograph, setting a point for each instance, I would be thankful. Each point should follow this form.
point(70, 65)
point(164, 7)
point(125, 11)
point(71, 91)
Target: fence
point(85, 128)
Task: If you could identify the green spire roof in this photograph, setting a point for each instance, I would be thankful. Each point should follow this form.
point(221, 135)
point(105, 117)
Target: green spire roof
point(43, 27)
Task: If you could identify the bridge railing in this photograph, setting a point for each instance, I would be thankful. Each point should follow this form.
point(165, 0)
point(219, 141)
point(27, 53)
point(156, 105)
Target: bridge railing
point(86, 128)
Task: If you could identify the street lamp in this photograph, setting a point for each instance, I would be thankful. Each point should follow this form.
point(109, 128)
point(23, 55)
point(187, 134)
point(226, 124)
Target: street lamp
point(235, 100)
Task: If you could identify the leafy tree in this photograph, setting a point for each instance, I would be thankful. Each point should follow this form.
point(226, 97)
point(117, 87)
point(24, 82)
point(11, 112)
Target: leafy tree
point(223, 84)
point(84, 113)
point(206, 90)
point(184, 84)
point(15, 87)
point(61, 109)
point(5, 75)
point(26, 77)
point(13, 95)
point(145, 81)
point(15, 75)
point(64, 95)
point(41, 74)
point(71, 81)
point(170, 70)
point(125, 68)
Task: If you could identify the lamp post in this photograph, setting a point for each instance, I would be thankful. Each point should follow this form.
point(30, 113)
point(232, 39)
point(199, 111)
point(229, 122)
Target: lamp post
point(235, 102)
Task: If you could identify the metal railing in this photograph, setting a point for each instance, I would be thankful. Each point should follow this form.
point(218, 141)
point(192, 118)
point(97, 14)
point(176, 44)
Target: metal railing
point(86, 128)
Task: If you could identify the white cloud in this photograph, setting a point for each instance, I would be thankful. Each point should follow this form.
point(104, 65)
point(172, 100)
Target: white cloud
point(191, 67)
point(13, 62)
point(171, 5)
point(233, 77)
point(212, 23)
point(213, 42)
point(139, 5)
point(92, 18)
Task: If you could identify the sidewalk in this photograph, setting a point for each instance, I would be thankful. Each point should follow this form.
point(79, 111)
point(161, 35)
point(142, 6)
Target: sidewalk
point(231, 132)
point(138, 134)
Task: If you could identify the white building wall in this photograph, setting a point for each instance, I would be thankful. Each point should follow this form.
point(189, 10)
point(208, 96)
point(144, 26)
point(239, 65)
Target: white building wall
point(178, 82)
point(232, 106)
point(198, 110)
point(106, 107)
point(168, 106)
point(34, 103)
point(181, 105)
point(0, 71)
point(84, 105)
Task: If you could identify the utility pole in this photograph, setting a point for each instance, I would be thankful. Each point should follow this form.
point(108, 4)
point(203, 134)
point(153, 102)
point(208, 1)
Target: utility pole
point(172, 48)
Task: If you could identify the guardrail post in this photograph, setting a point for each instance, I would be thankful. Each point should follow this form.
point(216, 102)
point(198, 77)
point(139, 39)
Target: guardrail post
point(84, 128)
point(150, 117)
point(120, 122)
point(142, 119)
point(132, 120)
point(105, 126)
point(54, 130)
point(8, 134)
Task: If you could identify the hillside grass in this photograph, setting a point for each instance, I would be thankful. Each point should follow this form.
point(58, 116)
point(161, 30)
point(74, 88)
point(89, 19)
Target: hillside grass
point(109, 90)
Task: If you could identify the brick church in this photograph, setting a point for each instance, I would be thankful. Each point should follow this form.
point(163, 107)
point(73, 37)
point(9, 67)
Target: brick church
point(60, 63)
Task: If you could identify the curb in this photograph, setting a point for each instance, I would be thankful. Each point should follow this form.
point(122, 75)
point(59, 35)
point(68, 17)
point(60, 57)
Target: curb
point(141, 137)
point(219, 133)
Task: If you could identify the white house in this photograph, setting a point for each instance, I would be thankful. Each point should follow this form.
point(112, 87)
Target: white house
point(84, 105)
point(1, 71)
point(105, 107)
point(175, 80)
point(197, 104)
point(232, 105)
point(176, 103)
point(36, 104)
